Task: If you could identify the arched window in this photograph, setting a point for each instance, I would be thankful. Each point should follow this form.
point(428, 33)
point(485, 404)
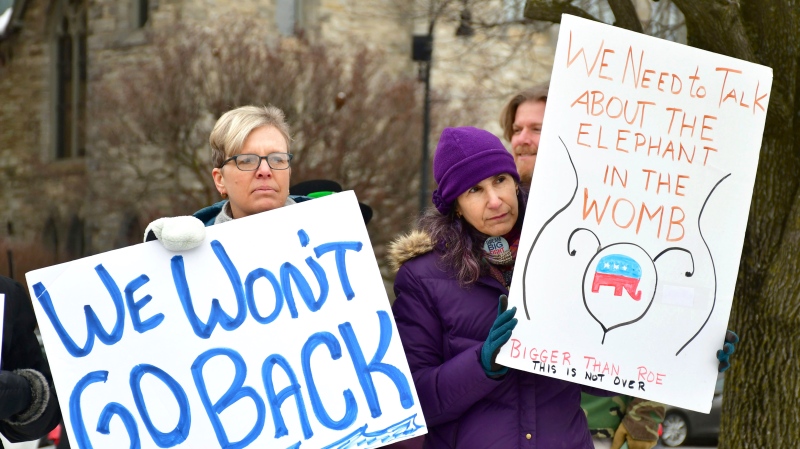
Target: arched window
point(141, 13)
point(70, 79)
point(76, 241)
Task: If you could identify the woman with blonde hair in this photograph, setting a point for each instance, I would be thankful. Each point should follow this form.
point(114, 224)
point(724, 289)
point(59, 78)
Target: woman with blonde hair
point(251, 170)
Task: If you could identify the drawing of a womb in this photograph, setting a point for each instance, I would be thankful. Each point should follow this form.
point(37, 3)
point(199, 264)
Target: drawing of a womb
point(619, 279)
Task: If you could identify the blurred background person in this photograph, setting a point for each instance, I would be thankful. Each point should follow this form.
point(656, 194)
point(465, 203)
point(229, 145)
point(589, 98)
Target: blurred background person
point(317, 188)
point(28, 403)
point(521, 121)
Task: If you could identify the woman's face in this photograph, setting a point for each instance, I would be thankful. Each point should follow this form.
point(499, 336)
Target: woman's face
point(251, 192)
point(491, 206)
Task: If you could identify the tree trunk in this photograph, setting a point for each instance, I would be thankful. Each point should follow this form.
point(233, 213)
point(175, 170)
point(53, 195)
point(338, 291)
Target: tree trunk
point(762, 390)
point(762, 395)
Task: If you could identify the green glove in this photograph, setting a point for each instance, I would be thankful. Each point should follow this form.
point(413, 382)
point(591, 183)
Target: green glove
point(728, 347)
point(498, 336)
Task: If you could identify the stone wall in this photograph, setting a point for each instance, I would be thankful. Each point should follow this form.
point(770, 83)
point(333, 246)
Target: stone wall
point(33, 188)
point(36, 189)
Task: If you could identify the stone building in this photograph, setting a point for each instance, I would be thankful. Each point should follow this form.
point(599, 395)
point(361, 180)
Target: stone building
point(55, 53)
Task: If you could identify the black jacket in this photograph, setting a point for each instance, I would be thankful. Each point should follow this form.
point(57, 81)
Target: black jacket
point(21, 351)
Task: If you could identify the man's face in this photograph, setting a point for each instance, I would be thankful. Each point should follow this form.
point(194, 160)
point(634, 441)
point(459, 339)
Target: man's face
point(525, 137)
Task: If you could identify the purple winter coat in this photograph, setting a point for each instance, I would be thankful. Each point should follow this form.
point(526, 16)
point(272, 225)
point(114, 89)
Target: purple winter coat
point(442, 327)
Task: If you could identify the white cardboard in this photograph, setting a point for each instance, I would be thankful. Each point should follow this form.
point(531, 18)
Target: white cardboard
point(662, 346)
point(163, 357)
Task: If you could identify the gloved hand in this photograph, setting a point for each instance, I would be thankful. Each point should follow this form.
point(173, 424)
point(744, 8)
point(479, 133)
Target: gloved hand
point(728, 347)
point(176, 233)
point(622, 435)
point(498, 336)
point(15, 394)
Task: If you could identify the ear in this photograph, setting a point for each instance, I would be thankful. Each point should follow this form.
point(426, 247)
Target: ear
point(219, 181)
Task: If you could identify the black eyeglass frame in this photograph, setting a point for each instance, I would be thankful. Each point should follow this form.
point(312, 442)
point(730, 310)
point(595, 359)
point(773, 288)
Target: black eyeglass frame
point(235, 157)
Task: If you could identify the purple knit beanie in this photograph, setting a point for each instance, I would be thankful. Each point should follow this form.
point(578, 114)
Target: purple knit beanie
point(464, 157)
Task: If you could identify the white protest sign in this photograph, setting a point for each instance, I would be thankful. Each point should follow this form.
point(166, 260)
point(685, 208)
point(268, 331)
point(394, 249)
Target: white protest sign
point(275, 332)
point(634, 228)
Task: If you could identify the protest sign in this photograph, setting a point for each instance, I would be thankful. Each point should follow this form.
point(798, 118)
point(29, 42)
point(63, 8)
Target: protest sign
point(275, 332)
point(637, 214)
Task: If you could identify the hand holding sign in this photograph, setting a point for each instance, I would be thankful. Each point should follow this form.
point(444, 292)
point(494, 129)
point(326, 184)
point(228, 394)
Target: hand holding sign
point(498, 336)
point(28, 404)
point(176, 233)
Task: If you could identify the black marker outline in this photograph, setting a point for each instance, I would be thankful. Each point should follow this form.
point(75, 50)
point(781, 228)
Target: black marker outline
point(528, 258)
point(713, 266)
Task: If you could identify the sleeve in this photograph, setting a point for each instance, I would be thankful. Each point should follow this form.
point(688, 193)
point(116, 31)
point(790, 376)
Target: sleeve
point(446, 388)
point(22, 354)
point(642, 419)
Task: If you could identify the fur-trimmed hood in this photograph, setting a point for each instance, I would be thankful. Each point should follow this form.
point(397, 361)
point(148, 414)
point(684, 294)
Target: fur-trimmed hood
point(407, 247)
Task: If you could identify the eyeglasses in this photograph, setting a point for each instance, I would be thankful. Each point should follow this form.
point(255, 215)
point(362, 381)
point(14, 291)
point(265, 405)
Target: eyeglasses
point(251, 162)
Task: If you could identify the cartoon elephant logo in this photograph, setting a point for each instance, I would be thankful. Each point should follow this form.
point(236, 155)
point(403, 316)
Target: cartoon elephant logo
point(618, 271)
point(619, 283)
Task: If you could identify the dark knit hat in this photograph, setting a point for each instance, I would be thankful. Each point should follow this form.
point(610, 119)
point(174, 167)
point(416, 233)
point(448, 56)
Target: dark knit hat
point(464, 157)
point(316, 188)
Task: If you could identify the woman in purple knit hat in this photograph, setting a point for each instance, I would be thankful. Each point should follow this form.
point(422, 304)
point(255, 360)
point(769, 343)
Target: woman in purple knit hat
point(454, 272)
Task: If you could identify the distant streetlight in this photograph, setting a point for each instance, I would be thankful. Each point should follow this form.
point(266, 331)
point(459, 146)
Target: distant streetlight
point(422, 52)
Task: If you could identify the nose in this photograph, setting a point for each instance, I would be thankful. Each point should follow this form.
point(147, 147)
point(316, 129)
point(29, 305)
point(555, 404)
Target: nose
point(494, 200)
point(263, 168)
point(526, 135)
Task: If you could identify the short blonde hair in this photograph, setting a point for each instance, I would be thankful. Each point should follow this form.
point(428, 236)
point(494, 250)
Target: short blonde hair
point(509, 114)
point(231, 130)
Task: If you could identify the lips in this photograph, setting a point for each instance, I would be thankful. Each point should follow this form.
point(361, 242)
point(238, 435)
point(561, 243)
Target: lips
point(264, 189)
point(525, 151)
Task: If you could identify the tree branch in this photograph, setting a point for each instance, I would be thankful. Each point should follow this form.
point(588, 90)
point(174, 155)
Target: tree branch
point(716, 26)
point(625, 15)
point(551, 11)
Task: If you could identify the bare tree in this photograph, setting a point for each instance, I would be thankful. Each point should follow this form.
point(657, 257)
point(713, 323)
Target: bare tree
point(352, 120)
point(761, 399)
point(485, 43)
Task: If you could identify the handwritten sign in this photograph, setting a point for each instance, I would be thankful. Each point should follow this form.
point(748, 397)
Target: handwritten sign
point(275, 332)
point(637, 214)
